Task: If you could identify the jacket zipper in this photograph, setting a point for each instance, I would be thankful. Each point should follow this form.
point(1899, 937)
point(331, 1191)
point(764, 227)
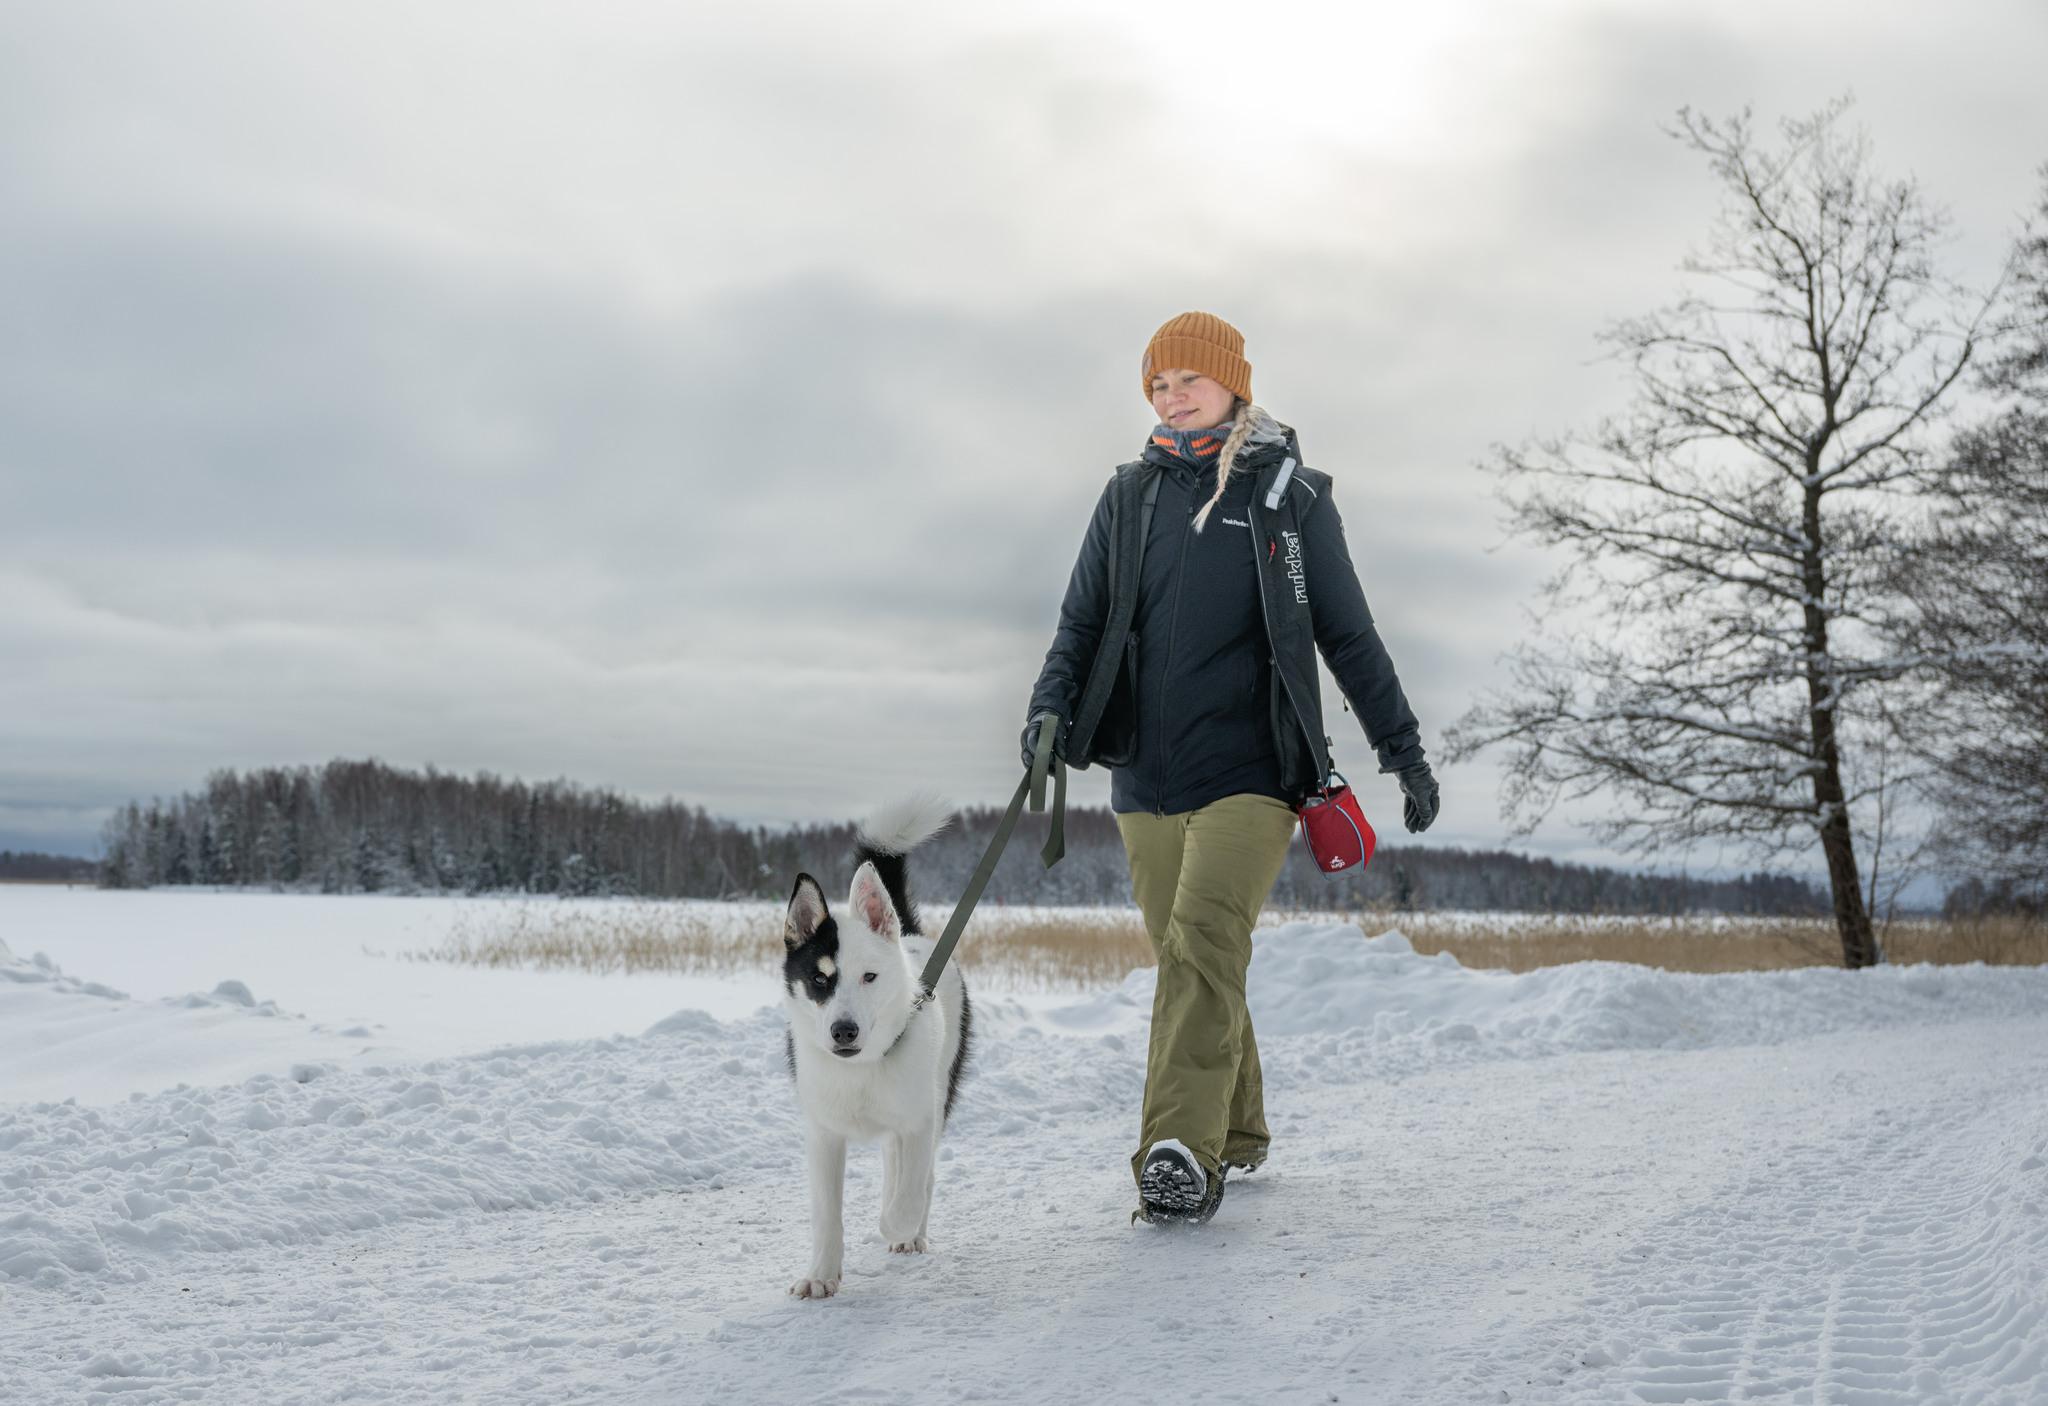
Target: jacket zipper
point(1265, 612)
point(1166, 665)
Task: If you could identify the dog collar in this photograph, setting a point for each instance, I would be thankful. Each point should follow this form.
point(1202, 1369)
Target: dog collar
point(904, 1031)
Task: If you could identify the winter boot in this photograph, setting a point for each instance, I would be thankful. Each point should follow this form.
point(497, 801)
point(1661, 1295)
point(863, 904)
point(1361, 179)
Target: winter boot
point(1173, 1188)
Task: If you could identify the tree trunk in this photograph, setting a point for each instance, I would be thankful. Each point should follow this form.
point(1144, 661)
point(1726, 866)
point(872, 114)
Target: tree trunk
point(1852, 919)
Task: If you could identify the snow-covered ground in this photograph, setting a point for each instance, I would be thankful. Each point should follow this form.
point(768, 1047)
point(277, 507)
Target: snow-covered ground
point(327, 976)
point(346, 1177)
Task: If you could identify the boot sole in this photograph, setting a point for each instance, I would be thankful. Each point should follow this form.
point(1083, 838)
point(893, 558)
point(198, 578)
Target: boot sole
point(1170, 1194)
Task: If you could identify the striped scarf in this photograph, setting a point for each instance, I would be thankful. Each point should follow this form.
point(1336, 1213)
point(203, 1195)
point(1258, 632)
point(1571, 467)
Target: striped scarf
point(1198, 447)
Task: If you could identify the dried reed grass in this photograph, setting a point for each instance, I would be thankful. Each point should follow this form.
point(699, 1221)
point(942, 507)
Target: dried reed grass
point(1708, 944)
point(1060, 953)
point(1030, 948)
point(1052, 949)
point(622, 937)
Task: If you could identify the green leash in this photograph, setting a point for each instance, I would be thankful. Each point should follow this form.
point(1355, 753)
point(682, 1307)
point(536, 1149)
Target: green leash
point(1033, 785)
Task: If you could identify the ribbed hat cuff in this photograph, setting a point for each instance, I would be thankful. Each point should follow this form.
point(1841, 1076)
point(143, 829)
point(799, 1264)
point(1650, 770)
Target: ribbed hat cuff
point(1233, 373)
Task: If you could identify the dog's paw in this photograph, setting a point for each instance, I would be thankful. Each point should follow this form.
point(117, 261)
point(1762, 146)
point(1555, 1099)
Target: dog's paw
point(815, 1288)
point(915, 1245)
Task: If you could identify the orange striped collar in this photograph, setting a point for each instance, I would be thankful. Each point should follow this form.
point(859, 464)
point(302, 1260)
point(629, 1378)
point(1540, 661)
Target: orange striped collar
point(1195, 446)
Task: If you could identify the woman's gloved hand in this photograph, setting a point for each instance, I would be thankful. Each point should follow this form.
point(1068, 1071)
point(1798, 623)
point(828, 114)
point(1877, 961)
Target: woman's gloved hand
point(1059, 736)
point(1419, 788)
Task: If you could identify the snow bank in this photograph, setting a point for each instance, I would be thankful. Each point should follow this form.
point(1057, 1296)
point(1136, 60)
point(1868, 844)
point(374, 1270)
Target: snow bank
point(338, 961)
point(1331, 1005)
point(87, 1192)
point(1357, 1004)
point(40, 971)
point(63, 1037)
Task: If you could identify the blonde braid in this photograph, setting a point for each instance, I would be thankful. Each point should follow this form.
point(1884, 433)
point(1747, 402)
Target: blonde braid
point(1226, 458)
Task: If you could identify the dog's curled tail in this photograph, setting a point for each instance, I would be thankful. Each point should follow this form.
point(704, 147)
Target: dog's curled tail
point(891, 833)
point(901, 826)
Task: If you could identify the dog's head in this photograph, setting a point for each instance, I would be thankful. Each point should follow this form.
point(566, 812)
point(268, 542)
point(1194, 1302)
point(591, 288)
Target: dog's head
point(847, 985)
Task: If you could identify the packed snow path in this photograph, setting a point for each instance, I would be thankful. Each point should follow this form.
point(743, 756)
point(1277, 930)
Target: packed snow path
point(1858, 1216)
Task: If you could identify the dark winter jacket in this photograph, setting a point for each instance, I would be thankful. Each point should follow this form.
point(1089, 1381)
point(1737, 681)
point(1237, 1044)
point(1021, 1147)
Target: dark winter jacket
point(1196, 678)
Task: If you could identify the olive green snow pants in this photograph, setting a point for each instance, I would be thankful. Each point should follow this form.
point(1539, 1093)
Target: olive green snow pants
point(1200, 878)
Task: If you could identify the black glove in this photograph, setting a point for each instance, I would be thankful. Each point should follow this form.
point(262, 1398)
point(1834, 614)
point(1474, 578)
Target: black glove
point(1059, 736)
point(1419, 787)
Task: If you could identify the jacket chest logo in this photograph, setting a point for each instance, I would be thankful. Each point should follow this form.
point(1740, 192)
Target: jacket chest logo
point(1293, 564)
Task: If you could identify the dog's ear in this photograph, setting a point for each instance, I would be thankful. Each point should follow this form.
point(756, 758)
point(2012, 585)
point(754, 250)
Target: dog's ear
point(807, 911)
point(870, 899)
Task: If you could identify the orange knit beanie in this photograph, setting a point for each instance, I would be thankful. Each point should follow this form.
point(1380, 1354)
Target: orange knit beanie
point(1200, 341)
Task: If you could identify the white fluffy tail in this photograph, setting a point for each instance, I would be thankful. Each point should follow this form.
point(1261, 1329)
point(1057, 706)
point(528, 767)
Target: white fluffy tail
point(901, 826)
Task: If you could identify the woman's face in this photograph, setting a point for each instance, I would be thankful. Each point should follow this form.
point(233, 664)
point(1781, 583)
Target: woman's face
point(1188, 400)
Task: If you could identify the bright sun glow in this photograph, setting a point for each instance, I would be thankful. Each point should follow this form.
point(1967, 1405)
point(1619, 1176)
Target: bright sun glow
point(1294, 80)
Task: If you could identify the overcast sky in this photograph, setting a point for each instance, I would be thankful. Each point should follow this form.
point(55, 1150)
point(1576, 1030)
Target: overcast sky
point(707, 400)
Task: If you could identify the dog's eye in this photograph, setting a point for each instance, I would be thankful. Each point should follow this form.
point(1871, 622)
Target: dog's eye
point(869, 977)
point(822, 980)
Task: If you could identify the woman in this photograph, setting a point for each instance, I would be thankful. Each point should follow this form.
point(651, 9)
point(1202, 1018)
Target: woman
point(1185, 661)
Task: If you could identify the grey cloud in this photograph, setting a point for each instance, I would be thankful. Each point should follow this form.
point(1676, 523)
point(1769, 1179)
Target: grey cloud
point(718, 414)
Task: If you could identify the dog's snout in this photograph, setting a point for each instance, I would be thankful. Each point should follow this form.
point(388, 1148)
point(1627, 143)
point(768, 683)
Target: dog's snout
point(845, 1032)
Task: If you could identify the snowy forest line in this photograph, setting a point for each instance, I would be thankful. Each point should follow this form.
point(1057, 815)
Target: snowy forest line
point(363, 826)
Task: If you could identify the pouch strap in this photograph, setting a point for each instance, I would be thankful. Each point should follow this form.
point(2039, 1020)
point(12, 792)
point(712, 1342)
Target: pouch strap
point(1280, 482)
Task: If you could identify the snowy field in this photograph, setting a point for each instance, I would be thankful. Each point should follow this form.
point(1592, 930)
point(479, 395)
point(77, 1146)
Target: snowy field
point(247, 1153)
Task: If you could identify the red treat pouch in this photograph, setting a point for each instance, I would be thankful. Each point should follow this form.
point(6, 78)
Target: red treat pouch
point(1335, 828)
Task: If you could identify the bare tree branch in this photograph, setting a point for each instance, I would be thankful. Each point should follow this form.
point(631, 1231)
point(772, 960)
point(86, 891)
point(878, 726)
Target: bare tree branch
point(1736, 534)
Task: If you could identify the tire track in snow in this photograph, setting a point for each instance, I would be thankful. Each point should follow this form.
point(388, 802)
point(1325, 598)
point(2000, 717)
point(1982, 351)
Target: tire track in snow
point(1900, 1265)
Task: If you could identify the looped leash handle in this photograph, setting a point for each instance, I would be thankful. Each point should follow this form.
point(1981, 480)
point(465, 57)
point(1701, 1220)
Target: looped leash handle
point(1043, 763)
point(1044, 760)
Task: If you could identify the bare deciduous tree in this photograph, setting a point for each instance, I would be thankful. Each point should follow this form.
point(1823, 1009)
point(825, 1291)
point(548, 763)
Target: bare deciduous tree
point(1730, 530)
point(1973, 609)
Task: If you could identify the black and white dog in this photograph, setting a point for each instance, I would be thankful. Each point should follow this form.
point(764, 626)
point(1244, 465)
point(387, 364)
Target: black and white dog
point(868, 1063)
